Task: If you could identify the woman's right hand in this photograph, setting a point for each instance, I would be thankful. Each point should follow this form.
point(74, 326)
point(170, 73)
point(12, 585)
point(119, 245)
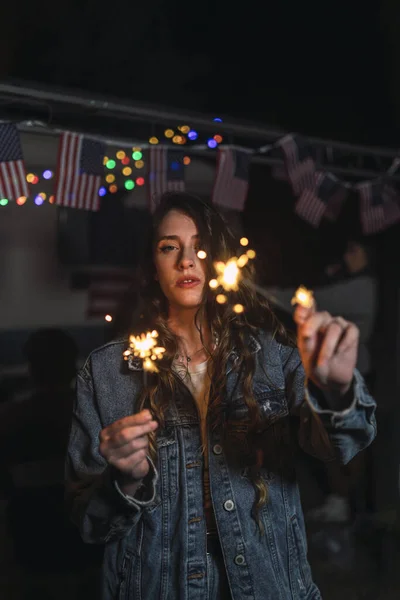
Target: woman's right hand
point(124, 445)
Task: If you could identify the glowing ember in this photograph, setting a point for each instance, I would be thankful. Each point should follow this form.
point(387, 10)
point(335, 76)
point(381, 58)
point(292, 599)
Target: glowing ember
point(228, 274)
point(304, 297)
point(145, 347)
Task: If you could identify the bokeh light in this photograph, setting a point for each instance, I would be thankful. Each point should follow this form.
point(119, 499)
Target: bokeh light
point(102, 191)
point(125, 160)
point(218, 138)
point(30, 177)
point(3, 202)
point(52, 199)
point(139, 164)
point(140, 181)
point(110, 178)
point(110, 164)
point(39, 200)
point(35, 180)
point(211, 143)
point(193, 135)
point(127, 171)
point(153, 140)
point(244, 241)
point(21, 200)
point(202, 254)
point(113, 188)
point(43, 195)
point(186, 160)
point(47, 174)
point(169, 133)
point(137, 155)
point(120, 154)
point(105, 160)
point(129, 184)
point(217, 119)
point(108, 318)
point(184, 128)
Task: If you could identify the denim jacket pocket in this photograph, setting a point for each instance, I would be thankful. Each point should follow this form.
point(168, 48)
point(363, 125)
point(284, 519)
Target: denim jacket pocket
point(303, 577)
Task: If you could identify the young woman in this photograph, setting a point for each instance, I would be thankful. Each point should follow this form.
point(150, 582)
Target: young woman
point(189, 481)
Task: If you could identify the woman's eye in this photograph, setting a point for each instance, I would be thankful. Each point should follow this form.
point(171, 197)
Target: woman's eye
point(166, 249)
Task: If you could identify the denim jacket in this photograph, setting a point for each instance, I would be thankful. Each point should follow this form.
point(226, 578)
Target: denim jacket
point(155, 543)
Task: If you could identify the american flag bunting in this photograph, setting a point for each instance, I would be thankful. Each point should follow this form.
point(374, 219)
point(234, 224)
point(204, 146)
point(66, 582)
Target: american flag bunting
point(232, 179)
point(323, 199)
point(300, 165)
point(379, 206)
point(80, 172)
point(166, 173)
point(13, 183)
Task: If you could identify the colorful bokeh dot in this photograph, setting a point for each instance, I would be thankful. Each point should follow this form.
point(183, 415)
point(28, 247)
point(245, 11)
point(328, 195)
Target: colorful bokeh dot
point(153, 140)
point(129, 184)
point(110, 178)
point(127, 171)
point(140, 181)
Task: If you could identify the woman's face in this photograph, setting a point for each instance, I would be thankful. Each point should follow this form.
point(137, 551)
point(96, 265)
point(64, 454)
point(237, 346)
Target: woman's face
point(180, 272)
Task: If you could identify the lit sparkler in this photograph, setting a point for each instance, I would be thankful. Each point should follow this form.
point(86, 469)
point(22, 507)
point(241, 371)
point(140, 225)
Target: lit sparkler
point(144, 346)
point(303, 297)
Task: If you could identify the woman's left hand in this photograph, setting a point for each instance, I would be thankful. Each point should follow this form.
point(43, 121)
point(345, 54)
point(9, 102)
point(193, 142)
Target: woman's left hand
point(328, 348)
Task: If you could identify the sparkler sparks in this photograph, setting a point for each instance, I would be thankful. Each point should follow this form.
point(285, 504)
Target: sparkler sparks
point(144, 346)
point(303, 297)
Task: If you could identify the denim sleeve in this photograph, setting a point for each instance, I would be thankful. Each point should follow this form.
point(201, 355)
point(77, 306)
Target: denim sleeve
point(326, 433)
point(96, 504)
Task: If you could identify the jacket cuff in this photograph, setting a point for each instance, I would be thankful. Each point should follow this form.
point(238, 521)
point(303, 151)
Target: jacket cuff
point(320, 406)
point(146, 493)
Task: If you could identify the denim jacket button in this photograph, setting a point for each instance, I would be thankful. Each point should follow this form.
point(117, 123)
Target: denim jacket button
point(240, 560)
point(229, 505)
point(217, 449)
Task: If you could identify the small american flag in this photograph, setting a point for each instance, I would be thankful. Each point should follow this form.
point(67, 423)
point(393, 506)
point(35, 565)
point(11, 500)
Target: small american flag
point(166, 173)
point(323, 199)
point(299, 163)
point(379, 206)
point(232, 178)
point(107, 289)
point(80, 172)
point(13, 183)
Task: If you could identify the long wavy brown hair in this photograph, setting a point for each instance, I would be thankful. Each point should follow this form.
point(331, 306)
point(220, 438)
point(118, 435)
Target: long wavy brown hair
point(231, 331)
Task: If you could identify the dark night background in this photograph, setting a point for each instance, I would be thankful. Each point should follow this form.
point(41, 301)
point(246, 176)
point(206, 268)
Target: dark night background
point(322, 68)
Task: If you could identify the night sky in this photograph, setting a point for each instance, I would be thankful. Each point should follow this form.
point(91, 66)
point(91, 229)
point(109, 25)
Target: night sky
point(322, 70)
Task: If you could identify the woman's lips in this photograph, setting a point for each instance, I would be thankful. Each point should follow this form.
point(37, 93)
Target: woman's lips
point(188, 282)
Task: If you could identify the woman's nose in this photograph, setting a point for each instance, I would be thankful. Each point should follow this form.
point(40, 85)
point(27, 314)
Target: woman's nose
point(187, 258)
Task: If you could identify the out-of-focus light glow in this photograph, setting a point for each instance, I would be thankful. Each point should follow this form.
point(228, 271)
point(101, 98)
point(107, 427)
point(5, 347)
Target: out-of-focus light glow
point(3, 202)
point(113, 189)
point(127, 171)
point(52, 199)
point(238, 308)
point(186, 160)
point(125, 160)
point(193, 135)
point(211, 143)
point(139, 164)
point(153, 140)
point(105, 160)
point(184, 128)
point(140, 181)
point(244, 241)
point(43, 195)
point(47, 174)
point(218, 120)
point(21, 200)
point(137, 155)
point(111, 164)
point(221, 298)
point(120, 154)
point(169, 133)
point(202, 254)
point(30, 177)
point(218, 138)
point(39, 200)
point(108, 318)
point(129, 184)
point(110, 178)
point(102, 191)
